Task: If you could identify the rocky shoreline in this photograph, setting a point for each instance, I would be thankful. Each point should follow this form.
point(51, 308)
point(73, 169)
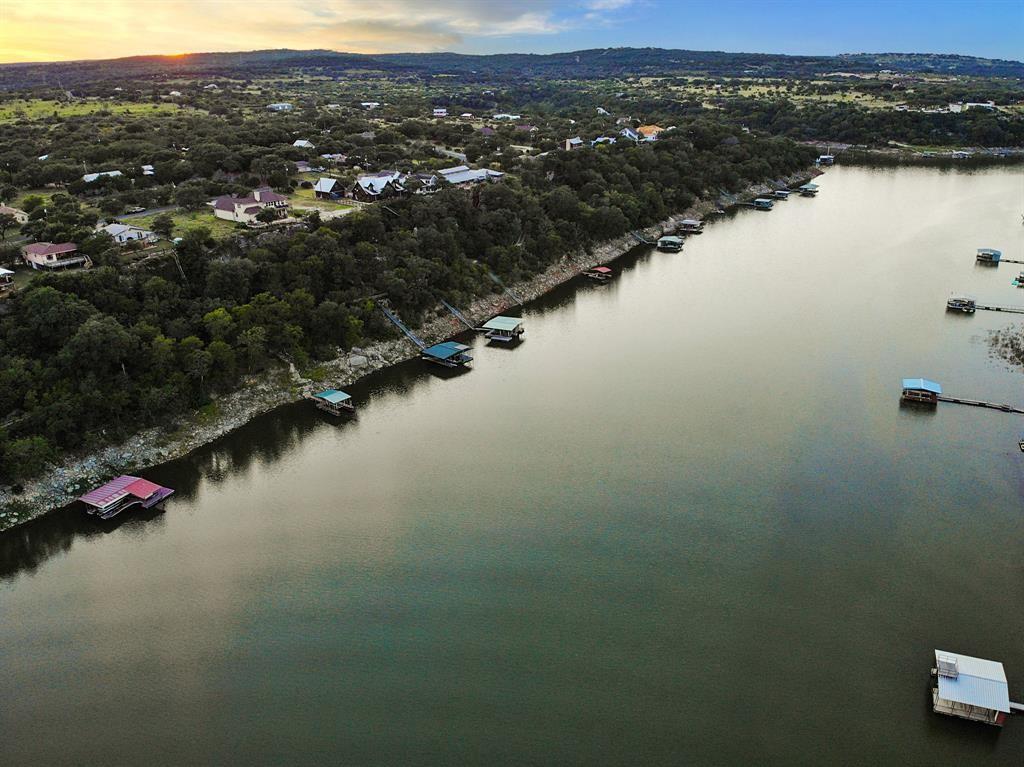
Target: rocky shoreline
point(281, 385)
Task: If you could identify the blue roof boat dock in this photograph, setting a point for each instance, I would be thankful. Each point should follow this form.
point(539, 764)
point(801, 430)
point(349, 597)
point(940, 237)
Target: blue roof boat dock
point(924, 392)
point(504, 329)
point(448, 353)
point(763, 203)
point(333, 401)
point(988, 256)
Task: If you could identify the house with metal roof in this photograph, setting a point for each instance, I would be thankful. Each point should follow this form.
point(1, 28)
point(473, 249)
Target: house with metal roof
point(378, 186)
point(971, 688)
point(6, 279)
point(302, 143)
point(808, 190)
point(920, 390)
point(245, 209)
point(123, 234)
point(573, 143)
point(504, 329)
point(328, 189)
point(54, 255)
point(282, 106)
point(462, 175)
point(448, 353)
point(91, 177)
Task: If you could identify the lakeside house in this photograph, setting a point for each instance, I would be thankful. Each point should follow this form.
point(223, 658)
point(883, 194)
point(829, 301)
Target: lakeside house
point(54, 255)
point(20, 216)
point(571, 144)
point(125, 234)
point(282, 106)
point(245, 209)
point(382, 185)
point(91, 177)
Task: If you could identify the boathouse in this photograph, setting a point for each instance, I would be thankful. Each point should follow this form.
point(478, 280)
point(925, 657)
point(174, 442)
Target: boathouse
point(781, 194)
point(504, 329)
point(763, 203)
point(971, 688)
point(920, 390)
point(670, 243)
point(599, 273)
point(808, 190)
point(961, 303)
point(449, 353)
point(691, 226)
point(334, 401)
point(989, 256)
point(119, 494)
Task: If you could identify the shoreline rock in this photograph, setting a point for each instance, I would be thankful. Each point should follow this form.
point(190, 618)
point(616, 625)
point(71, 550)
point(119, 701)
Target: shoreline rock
point(283, 385)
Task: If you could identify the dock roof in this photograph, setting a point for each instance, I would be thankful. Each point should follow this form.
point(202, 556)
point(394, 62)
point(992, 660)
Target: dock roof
point(923, 384)
point(809, 186)
point(503, 323)
point(334, 396)
point(445, 350)
point(978, 682)
point(117, 489)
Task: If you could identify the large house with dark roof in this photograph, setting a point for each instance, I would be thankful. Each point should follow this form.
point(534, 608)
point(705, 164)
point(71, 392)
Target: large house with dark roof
point(245, 209)
point(378, 186)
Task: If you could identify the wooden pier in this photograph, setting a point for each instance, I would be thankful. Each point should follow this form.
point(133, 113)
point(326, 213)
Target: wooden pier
point(980, 403)
point(1010, 309)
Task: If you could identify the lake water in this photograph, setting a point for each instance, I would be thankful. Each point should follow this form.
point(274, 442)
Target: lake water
point(685, 522)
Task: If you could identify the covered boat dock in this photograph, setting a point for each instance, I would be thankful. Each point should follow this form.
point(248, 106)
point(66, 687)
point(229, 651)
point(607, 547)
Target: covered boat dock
point(334, 401)
point(111, 499)
point(921, 390)
point(971, 688)
point(670, 243)
point(599, 273)
point(989, 256)
point(504, 329)
point(808, 190)
point(449, 353)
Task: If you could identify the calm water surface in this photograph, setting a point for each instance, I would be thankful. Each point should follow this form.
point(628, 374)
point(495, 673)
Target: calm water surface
point(685, 522)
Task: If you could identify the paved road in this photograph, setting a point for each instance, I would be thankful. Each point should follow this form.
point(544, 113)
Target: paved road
point(148, 212)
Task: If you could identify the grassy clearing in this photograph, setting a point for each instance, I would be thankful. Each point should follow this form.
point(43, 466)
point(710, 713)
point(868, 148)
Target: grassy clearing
point(306, 198)
point(37, 109)
point(185, 220)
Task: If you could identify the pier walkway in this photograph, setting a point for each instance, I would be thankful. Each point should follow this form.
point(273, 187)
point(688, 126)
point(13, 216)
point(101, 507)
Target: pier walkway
point(981, 403)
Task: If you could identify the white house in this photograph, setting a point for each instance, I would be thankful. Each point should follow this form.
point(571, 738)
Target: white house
point(504, 116)
point(19, 215)
point(573, 143)
point(147, 170)
point(303, 143)
point(123, 234)
point(602, 140)
point(281, 106)
point(630, 134)
point(440, 112)
point(369, 104)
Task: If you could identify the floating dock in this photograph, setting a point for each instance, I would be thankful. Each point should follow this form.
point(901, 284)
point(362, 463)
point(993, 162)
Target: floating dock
point(970, 688)
point(450, 354)
point(599, 274)
point(119, 494)
point(334, 401)
point(808, 190)
point(921, 391)
point(670, 243)
point(504, 329)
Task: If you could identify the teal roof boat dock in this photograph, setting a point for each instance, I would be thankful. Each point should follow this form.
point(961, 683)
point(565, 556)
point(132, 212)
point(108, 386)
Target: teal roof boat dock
point(334, 401)
point(504, 329)
point(449, 353)
point(808, 190)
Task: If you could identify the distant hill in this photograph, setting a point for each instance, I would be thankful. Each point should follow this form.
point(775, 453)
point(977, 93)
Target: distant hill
point(596, 63)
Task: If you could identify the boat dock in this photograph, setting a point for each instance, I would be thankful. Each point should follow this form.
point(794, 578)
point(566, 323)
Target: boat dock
point(1010, 309)
point(980, 403)
point(921, 391)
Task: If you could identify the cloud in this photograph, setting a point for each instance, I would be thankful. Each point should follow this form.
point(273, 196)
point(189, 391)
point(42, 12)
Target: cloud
point(42, 30)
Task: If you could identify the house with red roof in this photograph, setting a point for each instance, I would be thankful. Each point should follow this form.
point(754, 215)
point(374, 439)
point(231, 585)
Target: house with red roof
point(245, 209)
point(54, 255)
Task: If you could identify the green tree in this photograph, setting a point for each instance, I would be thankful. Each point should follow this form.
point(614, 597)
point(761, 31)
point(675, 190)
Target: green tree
point(7, 221)
point(164, 225)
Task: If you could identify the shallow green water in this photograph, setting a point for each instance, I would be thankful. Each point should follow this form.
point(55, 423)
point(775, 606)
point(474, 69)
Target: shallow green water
point(685, 522)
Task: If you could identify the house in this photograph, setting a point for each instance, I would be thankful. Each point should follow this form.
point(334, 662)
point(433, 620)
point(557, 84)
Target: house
point(630, 134)
point(424, 183)
point(440, 112)
point(49, 255)
point(649, 132)
point(283, 106)
point(43, 157)
point(602, 111)
point(148, 170)
point(90, 177)
point(302, 143)
point(210, 87)
point(174, 94)
point(245, 209)
point(369, 104)
point(573, 143)
point(602, 140)
point(378, 186)
point(6, 279)
point(506, 117)
point(124, 234)
point(466, 115)
point(333, 157)
point(302, 166)
point(462, 175)
point(328, 189)
point(19, 215)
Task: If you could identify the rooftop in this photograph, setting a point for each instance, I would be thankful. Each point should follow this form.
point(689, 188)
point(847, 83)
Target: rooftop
point(118, 488)
point(503, 323)
point(445, 350)
point(922, 384)
point(978, 682)
point(334, 396)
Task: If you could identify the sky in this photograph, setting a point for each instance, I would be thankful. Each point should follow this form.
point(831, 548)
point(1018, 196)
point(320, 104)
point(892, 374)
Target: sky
point(61, 30)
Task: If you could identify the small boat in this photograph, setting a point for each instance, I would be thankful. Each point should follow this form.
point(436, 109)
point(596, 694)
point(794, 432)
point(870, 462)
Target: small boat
point(599, 274)
point(1020, 443)
point(964, 304)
